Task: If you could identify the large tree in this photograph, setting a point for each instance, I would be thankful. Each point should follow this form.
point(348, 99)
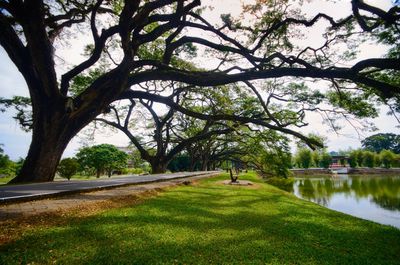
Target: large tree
point(102, 158)
point(150, 40)
point(163, 135)
point(382, 141)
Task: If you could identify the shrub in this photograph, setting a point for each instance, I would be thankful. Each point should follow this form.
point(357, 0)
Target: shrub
point(396, 161)
point(353, 159)
point(316, 156)
point(369, 159)
point(136, 170)
point(304, 158)
point(18, 165)
point(387, 157)
point(7, 167)
point(68, 167)
point(360, 157)
point(326, 160)
point(282, 183)
point(276, 163)
point(378, 160)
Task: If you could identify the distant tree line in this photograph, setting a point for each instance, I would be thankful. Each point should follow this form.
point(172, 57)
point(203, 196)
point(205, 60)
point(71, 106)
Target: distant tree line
point(208, 146)
point(305, 158)
point(379, 150)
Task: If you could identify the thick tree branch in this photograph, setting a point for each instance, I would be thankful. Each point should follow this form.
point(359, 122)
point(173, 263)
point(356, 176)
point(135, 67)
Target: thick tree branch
point(143, 152)
point(383, 63)
point(186, 142)
point(40, 48)
point(14, 47)
point(215, 79)
point(167, 101)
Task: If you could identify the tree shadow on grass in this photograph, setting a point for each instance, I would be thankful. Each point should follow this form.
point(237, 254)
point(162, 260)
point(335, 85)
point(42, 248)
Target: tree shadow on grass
point(200, 226)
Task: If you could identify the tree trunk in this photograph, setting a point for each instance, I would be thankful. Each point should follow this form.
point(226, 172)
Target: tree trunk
point(233, 178)
point(47, 146)
point(204, 163)
point(194, 163)
point(191, 167)
point(158, 167)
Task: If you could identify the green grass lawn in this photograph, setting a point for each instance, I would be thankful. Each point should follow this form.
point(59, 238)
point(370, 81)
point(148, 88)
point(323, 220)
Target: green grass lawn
point(210, 223)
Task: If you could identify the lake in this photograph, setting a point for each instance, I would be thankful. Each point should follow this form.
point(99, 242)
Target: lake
point(375, 198)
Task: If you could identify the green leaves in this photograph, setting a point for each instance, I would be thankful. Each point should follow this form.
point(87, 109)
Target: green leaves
point(382, 141)
point(353, 103)
point(81, 82)
point(268, 151)
point(68, 167)
point(102, 157)
point(23, 108)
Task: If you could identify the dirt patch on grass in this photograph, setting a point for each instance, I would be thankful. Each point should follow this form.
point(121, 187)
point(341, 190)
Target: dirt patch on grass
point(241, 184)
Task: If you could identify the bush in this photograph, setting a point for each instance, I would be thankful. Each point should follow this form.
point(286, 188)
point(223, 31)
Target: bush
point(396, 161)
point(282, 183)
point(316, 156)
point(360, 157)
point(18, 165)
point(387, 157)
point(353, 159)
point(68, 167)
point(8, 170)
point(179, 163)
point(304, 158)
point(326, 160)
point(7, 167)
point(276, 163)
point(378, 160)
point(369, 159)
point(135, 171)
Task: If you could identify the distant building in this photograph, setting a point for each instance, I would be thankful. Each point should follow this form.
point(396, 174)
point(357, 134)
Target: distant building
point(339, 160)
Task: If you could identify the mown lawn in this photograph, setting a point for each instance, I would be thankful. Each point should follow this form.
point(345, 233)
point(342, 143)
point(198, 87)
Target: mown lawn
point(210, 223)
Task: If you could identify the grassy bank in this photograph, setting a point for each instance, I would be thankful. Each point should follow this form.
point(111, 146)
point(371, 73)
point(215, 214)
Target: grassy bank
point(210, 223)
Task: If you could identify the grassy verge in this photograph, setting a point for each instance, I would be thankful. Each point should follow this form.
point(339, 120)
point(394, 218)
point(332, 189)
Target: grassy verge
point(210, 223)
point(5, 180)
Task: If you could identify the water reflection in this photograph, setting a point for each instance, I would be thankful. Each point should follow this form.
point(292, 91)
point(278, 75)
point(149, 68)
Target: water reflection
point(371, 197)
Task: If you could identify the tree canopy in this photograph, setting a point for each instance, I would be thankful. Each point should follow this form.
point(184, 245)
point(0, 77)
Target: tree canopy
point(382, 141)
point(103, 157)
point(134, 42)
point(68, 167)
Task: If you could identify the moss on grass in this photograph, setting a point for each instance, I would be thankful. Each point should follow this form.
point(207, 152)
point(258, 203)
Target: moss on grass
point(210, 223)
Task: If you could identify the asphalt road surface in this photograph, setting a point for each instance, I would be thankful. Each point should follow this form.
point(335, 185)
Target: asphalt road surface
point(24, 192)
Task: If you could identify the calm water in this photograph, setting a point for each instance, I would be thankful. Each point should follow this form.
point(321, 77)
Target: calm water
point(373, 198)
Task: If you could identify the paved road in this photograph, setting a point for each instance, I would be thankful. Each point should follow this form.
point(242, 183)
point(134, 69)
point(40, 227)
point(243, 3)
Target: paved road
point(14, 193)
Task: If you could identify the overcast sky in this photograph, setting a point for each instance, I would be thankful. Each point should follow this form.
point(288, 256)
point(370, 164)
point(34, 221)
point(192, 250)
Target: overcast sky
point(16, 142)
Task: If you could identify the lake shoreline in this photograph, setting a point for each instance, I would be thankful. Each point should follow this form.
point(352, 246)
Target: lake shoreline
point(352, 171)
point(369, 196)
